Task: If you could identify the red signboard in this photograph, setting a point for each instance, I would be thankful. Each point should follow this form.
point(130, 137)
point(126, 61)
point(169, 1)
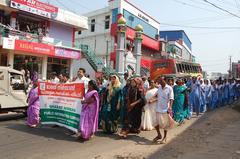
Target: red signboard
point(71, 90)
point(33, 47)
point(35, 7)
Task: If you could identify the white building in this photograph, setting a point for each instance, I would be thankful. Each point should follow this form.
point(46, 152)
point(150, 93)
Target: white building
point(101, 35)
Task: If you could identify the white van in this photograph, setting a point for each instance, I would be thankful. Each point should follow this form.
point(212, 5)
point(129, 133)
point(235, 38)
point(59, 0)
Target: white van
point(12, 89)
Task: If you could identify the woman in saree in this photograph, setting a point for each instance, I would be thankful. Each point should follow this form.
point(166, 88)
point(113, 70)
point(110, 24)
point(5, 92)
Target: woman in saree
point(33, 110)
point(112, 102)
point(214, 93)
point(90, 110)
point(208, 94)
point(149, 114)
point(136, 101)
point(203, 107)
point(123, 110)
point(178, 103)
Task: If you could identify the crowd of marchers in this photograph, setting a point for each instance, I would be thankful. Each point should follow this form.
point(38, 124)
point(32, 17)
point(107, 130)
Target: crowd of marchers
point(139, 103)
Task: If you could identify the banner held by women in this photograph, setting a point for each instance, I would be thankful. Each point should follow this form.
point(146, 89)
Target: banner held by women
point(60, 104)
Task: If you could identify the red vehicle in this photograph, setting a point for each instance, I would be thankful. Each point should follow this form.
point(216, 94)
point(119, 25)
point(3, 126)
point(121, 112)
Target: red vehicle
point(174, 68)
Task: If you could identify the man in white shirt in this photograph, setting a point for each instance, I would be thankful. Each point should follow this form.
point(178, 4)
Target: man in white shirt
point(82, 79)
point(55, 78)
point(105, 81)
point(145, 83)
point(164, 99)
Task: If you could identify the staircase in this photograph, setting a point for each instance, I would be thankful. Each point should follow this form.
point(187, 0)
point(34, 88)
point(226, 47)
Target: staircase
point(144, 70)
point(95, 61)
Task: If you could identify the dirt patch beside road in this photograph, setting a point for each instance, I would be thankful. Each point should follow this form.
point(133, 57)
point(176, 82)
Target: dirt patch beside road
point(215, 135)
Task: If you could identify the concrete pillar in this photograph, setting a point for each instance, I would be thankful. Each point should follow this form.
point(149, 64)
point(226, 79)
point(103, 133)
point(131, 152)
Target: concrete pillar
point(11, 59)
point(44, 67)
point(120, 51)
point(138, 47)
point(71, 73)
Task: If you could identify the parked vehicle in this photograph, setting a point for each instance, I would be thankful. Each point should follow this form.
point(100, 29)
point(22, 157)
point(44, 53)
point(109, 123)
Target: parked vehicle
point(12, 89)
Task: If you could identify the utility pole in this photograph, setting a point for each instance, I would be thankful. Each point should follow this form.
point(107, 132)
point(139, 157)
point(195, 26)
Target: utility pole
point(230, 68)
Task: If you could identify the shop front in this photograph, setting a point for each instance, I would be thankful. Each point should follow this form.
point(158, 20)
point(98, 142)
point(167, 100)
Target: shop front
point(58, 66)
point(43, 59)
point(29, 62)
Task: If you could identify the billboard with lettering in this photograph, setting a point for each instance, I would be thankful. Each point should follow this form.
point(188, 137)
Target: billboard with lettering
point(35, 7)
point(34, 47)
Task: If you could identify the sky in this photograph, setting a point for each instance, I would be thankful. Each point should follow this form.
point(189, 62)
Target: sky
point(215, 39)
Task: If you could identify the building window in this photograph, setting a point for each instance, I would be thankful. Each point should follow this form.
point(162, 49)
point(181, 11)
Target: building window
point(107, 22)
point(133, 21)
point(93, 25)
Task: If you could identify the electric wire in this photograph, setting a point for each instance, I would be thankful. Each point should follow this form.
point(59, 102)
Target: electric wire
point(222, 9)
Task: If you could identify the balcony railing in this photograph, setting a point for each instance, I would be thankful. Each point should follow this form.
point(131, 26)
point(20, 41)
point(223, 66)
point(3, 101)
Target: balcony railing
point(95, 61)
point(36, 38)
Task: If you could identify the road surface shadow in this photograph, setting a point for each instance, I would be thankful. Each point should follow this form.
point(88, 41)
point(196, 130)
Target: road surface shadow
point(58, 133)
point(137, 138)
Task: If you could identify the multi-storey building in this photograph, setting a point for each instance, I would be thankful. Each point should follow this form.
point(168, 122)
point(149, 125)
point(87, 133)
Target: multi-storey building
point(101, 41)
point(236, 69)
point(102, 34)
point(178, 44)
point(39, 37)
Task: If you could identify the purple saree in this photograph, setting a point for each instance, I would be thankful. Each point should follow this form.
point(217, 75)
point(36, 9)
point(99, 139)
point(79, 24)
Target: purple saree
point(33, 108)
point(89, 115)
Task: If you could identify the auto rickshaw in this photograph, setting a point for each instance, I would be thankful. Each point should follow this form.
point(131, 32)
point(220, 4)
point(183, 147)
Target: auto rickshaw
point(13, 93)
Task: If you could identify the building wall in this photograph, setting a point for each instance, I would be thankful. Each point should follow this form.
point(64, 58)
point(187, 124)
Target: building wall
point(127, 5)
point(99, 24)
point(133, 21)
point(186, 55)
point(61, 33)
point(176, 35)
point(98, 44)
point(82, 63)
point(236, 70)
point(98, 39)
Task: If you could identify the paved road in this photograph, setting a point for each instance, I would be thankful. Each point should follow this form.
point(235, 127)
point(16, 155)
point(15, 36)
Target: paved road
point(17, 141)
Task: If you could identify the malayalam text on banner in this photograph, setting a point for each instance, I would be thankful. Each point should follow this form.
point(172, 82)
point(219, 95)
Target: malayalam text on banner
point(60, 104)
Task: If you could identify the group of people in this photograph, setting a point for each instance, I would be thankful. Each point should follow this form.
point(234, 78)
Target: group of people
point(137, 103)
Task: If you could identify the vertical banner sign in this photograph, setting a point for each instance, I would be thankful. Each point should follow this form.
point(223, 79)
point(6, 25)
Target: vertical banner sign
point(60, 104)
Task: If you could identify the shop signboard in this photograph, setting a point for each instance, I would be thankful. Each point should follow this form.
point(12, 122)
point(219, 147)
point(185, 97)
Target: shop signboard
point(8, 43)
point(38, 48)
point(72, 19)
point(67, 53)
point(35, 7)
point(60, 104)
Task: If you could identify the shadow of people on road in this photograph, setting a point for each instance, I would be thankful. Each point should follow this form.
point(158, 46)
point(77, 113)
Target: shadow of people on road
point(47, 131)
point(137, 138)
